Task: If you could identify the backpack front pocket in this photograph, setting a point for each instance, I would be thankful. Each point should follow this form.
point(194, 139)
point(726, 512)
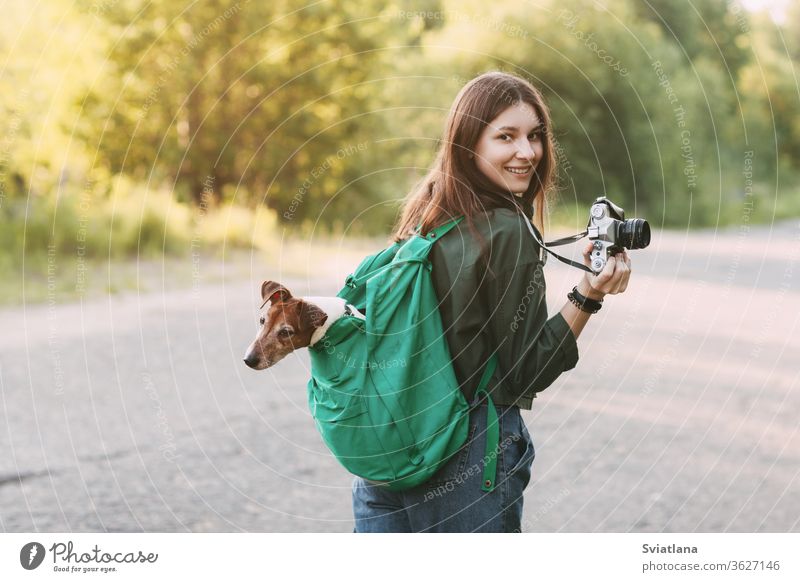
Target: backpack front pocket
point(331, 405)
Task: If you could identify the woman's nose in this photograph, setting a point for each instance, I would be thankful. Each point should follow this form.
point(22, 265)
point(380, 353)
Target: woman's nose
point(525, 151)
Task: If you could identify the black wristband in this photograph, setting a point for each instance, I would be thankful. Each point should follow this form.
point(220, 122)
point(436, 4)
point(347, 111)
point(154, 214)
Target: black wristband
point(584, 303)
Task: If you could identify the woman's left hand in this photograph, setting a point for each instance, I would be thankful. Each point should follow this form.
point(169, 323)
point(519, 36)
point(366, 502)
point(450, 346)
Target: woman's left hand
point(611, 280)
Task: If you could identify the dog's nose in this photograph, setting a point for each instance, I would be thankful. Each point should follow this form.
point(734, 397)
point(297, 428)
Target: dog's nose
point(251, 360)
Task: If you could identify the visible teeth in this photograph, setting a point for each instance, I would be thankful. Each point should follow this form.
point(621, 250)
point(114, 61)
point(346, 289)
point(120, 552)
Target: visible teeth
point(518, 170)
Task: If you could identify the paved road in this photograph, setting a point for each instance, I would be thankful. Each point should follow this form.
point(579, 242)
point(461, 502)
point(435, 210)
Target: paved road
point(135, 413)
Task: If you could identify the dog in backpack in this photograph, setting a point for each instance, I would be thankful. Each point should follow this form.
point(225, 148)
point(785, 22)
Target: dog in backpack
point(290, 323)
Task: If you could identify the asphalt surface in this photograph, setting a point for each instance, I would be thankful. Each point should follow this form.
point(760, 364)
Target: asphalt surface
point(135, 412)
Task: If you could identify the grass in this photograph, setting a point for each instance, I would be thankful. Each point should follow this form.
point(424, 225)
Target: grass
point(63, 279)
point(763, 207)
point(86, 245)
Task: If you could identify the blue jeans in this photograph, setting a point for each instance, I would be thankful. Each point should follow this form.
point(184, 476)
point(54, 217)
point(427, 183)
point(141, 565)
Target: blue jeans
point(452, 500)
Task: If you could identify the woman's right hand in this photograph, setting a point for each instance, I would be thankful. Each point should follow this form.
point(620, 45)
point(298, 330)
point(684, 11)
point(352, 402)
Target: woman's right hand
point(611, 280)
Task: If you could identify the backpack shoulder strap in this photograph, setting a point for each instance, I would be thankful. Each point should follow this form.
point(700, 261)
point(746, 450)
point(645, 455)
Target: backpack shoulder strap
point(492, 426)
point(442, 229)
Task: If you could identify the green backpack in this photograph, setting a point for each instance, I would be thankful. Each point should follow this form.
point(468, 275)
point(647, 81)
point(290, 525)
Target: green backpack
point(383, 393)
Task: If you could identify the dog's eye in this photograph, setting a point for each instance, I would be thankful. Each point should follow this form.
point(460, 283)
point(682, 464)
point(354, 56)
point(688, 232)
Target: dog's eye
point(261, 321)
point(285, 332)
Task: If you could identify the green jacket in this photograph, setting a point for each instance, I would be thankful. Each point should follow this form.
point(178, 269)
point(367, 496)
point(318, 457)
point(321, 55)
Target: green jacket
point(501, 308)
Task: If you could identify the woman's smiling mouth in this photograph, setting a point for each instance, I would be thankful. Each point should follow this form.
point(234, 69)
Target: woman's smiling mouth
point(519, 171)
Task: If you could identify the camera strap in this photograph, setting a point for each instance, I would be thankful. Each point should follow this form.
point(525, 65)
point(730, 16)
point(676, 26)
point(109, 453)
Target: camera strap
point(558, 242)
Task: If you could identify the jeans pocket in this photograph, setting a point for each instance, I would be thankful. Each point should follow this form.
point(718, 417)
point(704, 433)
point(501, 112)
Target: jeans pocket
point(455, 465)
point(519, 454)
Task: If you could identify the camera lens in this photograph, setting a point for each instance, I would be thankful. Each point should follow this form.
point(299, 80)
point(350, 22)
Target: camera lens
point(634, 233)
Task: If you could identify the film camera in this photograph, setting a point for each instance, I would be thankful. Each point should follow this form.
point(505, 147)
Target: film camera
point(611, 233)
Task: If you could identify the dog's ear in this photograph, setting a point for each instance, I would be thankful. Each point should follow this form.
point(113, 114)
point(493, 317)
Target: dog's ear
point(275, 292)
point(311, 316)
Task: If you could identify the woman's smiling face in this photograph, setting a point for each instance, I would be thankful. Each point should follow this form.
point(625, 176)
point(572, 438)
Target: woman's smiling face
point(510, 147)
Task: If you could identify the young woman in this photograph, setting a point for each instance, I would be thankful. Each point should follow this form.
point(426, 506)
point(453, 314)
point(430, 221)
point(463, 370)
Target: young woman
point(495, 166)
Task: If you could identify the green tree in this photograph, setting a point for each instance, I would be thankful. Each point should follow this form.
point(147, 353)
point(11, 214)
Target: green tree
point(262, 101)
point(713, 29)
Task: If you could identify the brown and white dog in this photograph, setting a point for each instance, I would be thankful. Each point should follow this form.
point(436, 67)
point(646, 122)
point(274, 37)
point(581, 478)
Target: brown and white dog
point(291, 323)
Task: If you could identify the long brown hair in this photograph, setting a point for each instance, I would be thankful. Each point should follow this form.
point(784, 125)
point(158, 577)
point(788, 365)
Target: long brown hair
point(455, 186)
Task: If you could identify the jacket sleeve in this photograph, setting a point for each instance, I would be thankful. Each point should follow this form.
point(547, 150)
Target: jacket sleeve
point(532, 350)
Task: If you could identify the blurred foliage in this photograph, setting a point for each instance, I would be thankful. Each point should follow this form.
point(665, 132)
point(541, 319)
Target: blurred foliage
point(323, 115)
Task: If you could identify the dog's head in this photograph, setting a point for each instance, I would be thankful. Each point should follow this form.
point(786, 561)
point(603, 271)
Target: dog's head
point(287, 323)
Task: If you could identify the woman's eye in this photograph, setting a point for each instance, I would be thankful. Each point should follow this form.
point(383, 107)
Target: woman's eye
point(284, 333)
point(535, 136)
point(504, 137)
